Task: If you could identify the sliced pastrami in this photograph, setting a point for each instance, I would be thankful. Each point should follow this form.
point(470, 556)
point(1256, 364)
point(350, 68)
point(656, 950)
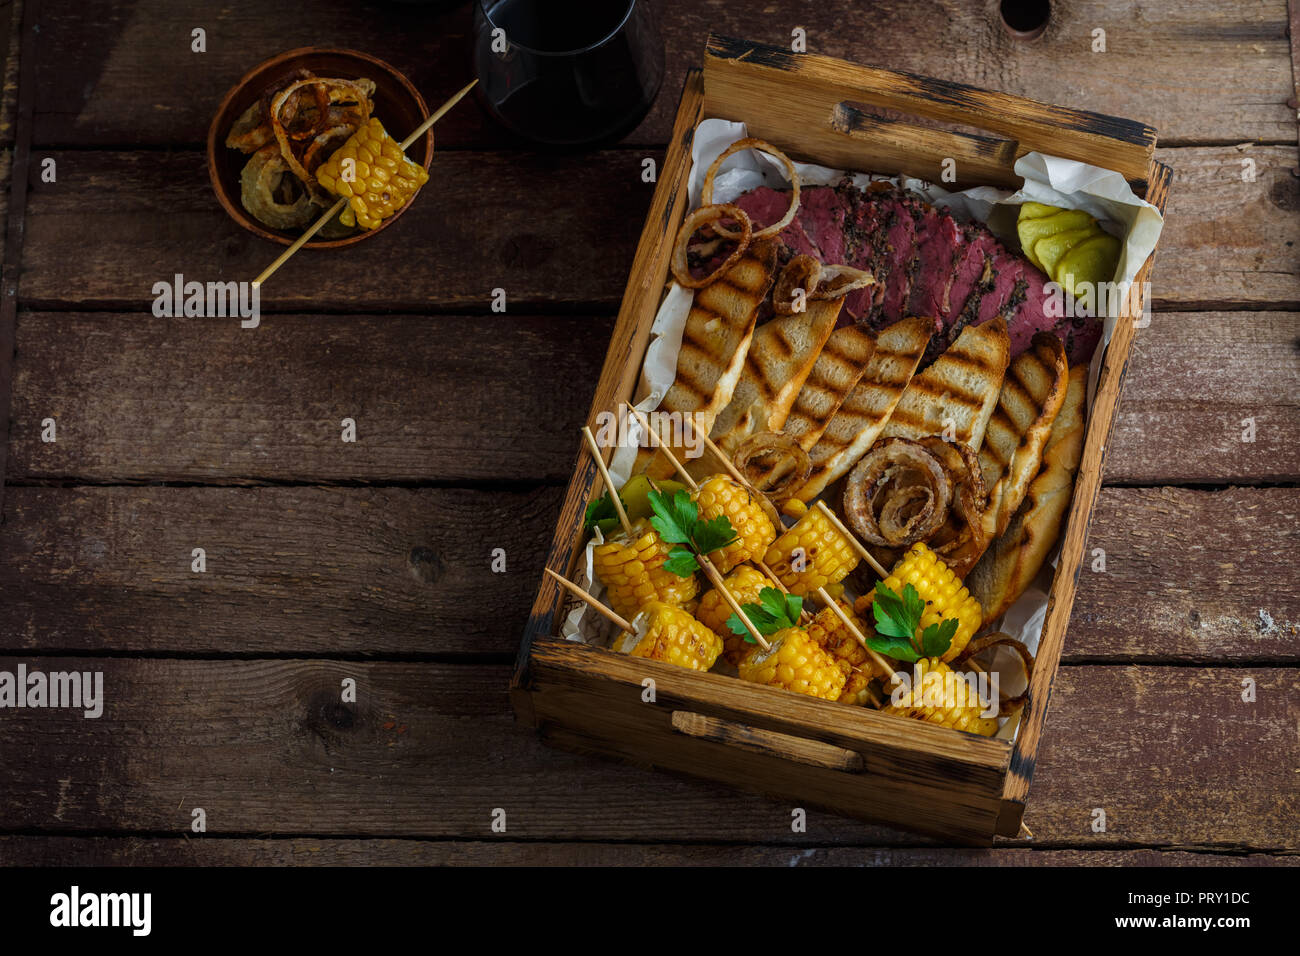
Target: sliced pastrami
point(765, 206)
point(865, 247)
point(900, 233)
point(1008, 270)
point(977, 248)
point(822, 215)
point(938, 245)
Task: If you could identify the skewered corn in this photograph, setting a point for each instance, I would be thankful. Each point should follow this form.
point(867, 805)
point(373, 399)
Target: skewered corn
point(940, 589)
point(939, 695)
point(633, 571)
point(850, 656)
point(721, 495)
point(662, 632)
point(745, 584)
point(811, 554)
point(373, 173)
point(795, 662)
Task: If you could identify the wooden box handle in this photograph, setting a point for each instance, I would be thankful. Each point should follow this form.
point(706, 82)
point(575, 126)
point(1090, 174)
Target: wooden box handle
point(814, 753)
point(794, 100)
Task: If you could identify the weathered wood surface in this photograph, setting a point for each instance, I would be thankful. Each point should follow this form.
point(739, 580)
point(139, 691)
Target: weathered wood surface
point(1172, 754)
point(392, 571)
point(309, 851)
point(1229, 243)
point(1207, 72)
point(137, 398)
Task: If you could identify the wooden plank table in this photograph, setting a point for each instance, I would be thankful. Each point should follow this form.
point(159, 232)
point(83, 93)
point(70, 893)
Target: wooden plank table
point(372, 561)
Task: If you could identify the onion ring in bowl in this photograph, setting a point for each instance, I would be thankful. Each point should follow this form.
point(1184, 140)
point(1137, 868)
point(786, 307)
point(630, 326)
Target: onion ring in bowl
point(749, 142)
point(282, 136)
point(801, 272)
point(839, 281)
point(768, 476)
point(700, 217)
point(898, 494)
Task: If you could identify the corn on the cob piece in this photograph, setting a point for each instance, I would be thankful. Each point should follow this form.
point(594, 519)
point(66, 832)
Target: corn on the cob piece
point(795, 662)
point(745, 584)
point(811, 554)
point(377, 179)
point(662, 632)
point(939, 695)
point(850, 656)
point(633, 571)
point(941, 590)
point(721, 495)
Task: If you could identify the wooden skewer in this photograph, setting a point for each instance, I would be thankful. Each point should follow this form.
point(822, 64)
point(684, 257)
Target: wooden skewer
point(609, 482)
point(659, 443)
point(333, 211)
point(694, 486)
point(595, 604)
point(855, 631)
point(858, 546)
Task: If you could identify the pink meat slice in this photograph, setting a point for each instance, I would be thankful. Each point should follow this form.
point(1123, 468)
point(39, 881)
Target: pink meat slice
point(938, 244)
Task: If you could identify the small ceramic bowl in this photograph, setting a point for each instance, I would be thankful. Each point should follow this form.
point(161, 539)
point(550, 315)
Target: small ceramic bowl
point(397, 104)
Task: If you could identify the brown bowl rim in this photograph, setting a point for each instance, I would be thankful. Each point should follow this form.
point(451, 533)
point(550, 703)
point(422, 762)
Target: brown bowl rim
point(216, 141)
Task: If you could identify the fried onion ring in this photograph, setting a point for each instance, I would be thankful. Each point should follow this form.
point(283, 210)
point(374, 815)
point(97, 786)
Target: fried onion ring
point(801, 272)
point(703, 216)
point(898, 494)
point(773, 462)
point(962, 539)
point(749, 142)
point(837, 281)
point(282, 136)
point(258, 182)
point(1007, 705)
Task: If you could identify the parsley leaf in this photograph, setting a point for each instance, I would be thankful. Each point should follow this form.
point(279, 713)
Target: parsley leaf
point(776, 610)
point(675, 517)
point(600, 514)
point(681, 562)
point(897, 620)
point(937, 638)
point(714, 534)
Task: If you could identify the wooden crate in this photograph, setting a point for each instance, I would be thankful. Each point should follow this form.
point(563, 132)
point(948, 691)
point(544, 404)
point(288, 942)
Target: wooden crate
point(809, 752)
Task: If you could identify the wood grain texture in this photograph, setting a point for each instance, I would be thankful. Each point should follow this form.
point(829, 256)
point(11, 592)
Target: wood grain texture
point(138, 398)
point(309, 851)
point(1193, 381)
point(355, 571)
point(1173, 755)
point(1208, 72)
point(488, 221)
point(1228, 243)
point(362, 571)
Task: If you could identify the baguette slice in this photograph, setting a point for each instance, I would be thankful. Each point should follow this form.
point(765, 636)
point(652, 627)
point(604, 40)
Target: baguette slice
point(1012, 562)
point(955, 396)
point(780, 359)
point(838, 368)
point(715, 341)
point(1031, 397)
point(857, 423)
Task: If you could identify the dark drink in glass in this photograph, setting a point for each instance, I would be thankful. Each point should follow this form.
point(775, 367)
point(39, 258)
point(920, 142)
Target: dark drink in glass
point(567, 72)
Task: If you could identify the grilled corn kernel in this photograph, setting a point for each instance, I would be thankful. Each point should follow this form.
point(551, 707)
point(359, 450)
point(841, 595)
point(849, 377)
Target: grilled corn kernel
point(794, 508)
point(857, 665)
point(665, 633)
point(745, 584)
point(811, 554)
point(721, 495)
point(373, 174)
point(939, 695)
point(943, 593)
point(633, 571)
point(795, 662)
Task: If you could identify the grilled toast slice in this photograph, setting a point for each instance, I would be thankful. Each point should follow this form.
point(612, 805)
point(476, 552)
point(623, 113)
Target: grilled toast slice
point(838, 368)
point(1031, 397)
point(857, 423)
point(955, 396)
point(780, 358)
point(715, 341)
point(1012, 562)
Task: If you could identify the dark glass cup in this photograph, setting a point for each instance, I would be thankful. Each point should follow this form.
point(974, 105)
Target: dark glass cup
point(567, 72)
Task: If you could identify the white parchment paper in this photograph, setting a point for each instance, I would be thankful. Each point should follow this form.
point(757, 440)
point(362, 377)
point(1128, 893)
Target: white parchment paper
point(1102, 193)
